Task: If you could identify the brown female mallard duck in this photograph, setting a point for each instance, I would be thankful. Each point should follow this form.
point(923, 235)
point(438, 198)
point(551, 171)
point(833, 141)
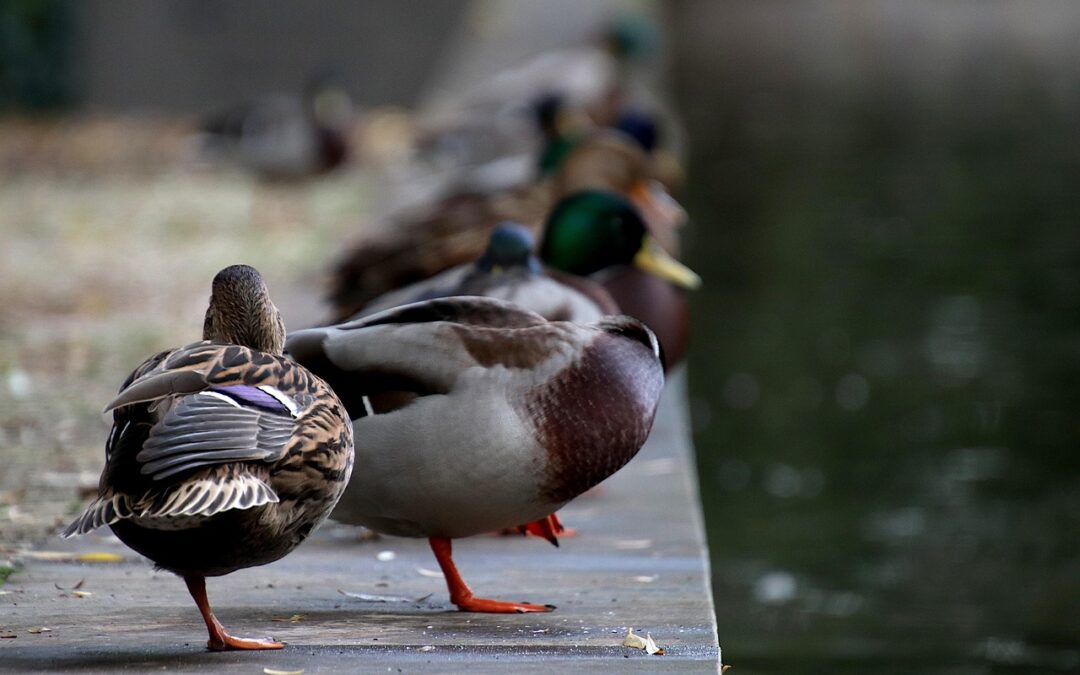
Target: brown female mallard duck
point(478, 416)
point(223, 454)
point(456, 230)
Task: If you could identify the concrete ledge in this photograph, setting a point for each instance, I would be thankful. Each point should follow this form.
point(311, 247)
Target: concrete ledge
point(640, 560)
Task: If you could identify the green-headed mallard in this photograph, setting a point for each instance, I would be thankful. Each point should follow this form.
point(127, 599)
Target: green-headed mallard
point(602, 236)
point(486, 416)
point(509, 270)
point(223, 454)
point(455, 230)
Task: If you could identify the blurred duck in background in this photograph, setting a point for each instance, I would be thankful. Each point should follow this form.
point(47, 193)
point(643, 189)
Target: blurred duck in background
point(280, 137)
point(494, 118)
point(223, 454)
point(455, 230)
point(509, 270)
point(477, 416)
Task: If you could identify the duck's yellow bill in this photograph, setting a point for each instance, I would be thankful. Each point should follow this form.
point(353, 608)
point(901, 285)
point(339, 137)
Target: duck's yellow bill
point(655, 260)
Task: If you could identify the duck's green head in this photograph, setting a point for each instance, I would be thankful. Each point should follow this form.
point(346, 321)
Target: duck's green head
point(592, 230)
point(632, 37)
point(562, 125)
point(510, 246)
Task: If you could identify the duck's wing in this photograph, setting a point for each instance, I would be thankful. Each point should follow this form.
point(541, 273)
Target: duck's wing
point(423, 348)
point(183, 428)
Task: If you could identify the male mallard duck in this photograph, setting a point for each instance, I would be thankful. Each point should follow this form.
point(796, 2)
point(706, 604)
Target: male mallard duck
point(223, 454)
point(456, 230)
point(284, 137)
point(509, 270)
point(486, 416)
point(602, 236)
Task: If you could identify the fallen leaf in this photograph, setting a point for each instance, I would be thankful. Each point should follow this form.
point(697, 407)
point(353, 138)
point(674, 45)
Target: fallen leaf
point(7, 634)
point(64, 556)
point(636, 642)
point(633, 544)
point(48, 556)
point(271, 671)
point(295, 618)
point(425, 572)
point(646, 579)
point(425, 648)
point(385, 556)
point(81, 594)
point(372, 597)
point(100, 557)
point(724, 669)
point(651, 647)
point(633, 641)
point(36, 631)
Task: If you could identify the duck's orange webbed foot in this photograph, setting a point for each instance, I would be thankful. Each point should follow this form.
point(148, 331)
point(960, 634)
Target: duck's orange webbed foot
point(474, 604)
point(225, 642)
point(462, 596)
point(220, 640)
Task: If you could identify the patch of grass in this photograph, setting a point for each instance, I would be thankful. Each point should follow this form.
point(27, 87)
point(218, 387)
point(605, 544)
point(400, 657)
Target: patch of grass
point(5, 572)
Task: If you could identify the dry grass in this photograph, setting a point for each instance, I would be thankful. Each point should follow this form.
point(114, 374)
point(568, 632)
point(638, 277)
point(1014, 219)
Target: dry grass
point(107, 257)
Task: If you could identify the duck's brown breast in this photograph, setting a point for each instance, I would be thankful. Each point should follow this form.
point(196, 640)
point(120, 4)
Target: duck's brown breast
point(592, 417)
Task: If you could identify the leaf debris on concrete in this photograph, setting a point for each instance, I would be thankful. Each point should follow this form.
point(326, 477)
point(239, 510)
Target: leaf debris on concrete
point(374, 597)
point(647, 643)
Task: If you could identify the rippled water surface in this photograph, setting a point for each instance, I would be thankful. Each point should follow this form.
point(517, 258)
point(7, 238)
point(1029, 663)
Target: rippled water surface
point(886, 374)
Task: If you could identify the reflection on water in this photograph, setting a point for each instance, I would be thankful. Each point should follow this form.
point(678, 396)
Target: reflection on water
point(886, 375)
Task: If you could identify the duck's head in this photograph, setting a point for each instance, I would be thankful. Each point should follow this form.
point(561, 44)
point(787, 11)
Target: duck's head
point(631, 37)
point(641, 126)
point(612, 161)
point(562, 125)
point(593, 230)
point(242, 313)
point(510, 247)
point(327, 99)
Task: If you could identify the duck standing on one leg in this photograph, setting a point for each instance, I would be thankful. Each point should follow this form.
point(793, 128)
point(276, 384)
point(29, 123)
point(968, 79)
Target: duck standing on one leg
point(477, 415)
point(223, 454)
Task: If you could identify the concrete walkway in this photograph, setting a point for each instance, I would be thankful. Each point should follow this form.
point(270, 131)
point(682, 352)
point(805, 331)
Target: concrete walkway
point(639, 561)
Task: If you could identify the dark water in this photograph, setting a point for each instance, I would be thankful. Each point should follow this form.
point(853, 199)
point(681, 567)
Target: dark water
point(886, 374)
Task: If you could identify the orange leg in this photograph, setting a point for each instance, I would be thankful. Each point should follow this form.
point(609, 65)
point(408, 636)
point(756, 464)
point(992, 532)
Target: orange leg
point(549, 528)
point(219, 639)
point(460, 593)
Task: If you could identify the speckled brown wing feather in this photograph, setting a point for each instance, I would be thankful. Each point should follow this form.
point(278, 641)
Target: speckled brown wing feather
point(211, 427)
